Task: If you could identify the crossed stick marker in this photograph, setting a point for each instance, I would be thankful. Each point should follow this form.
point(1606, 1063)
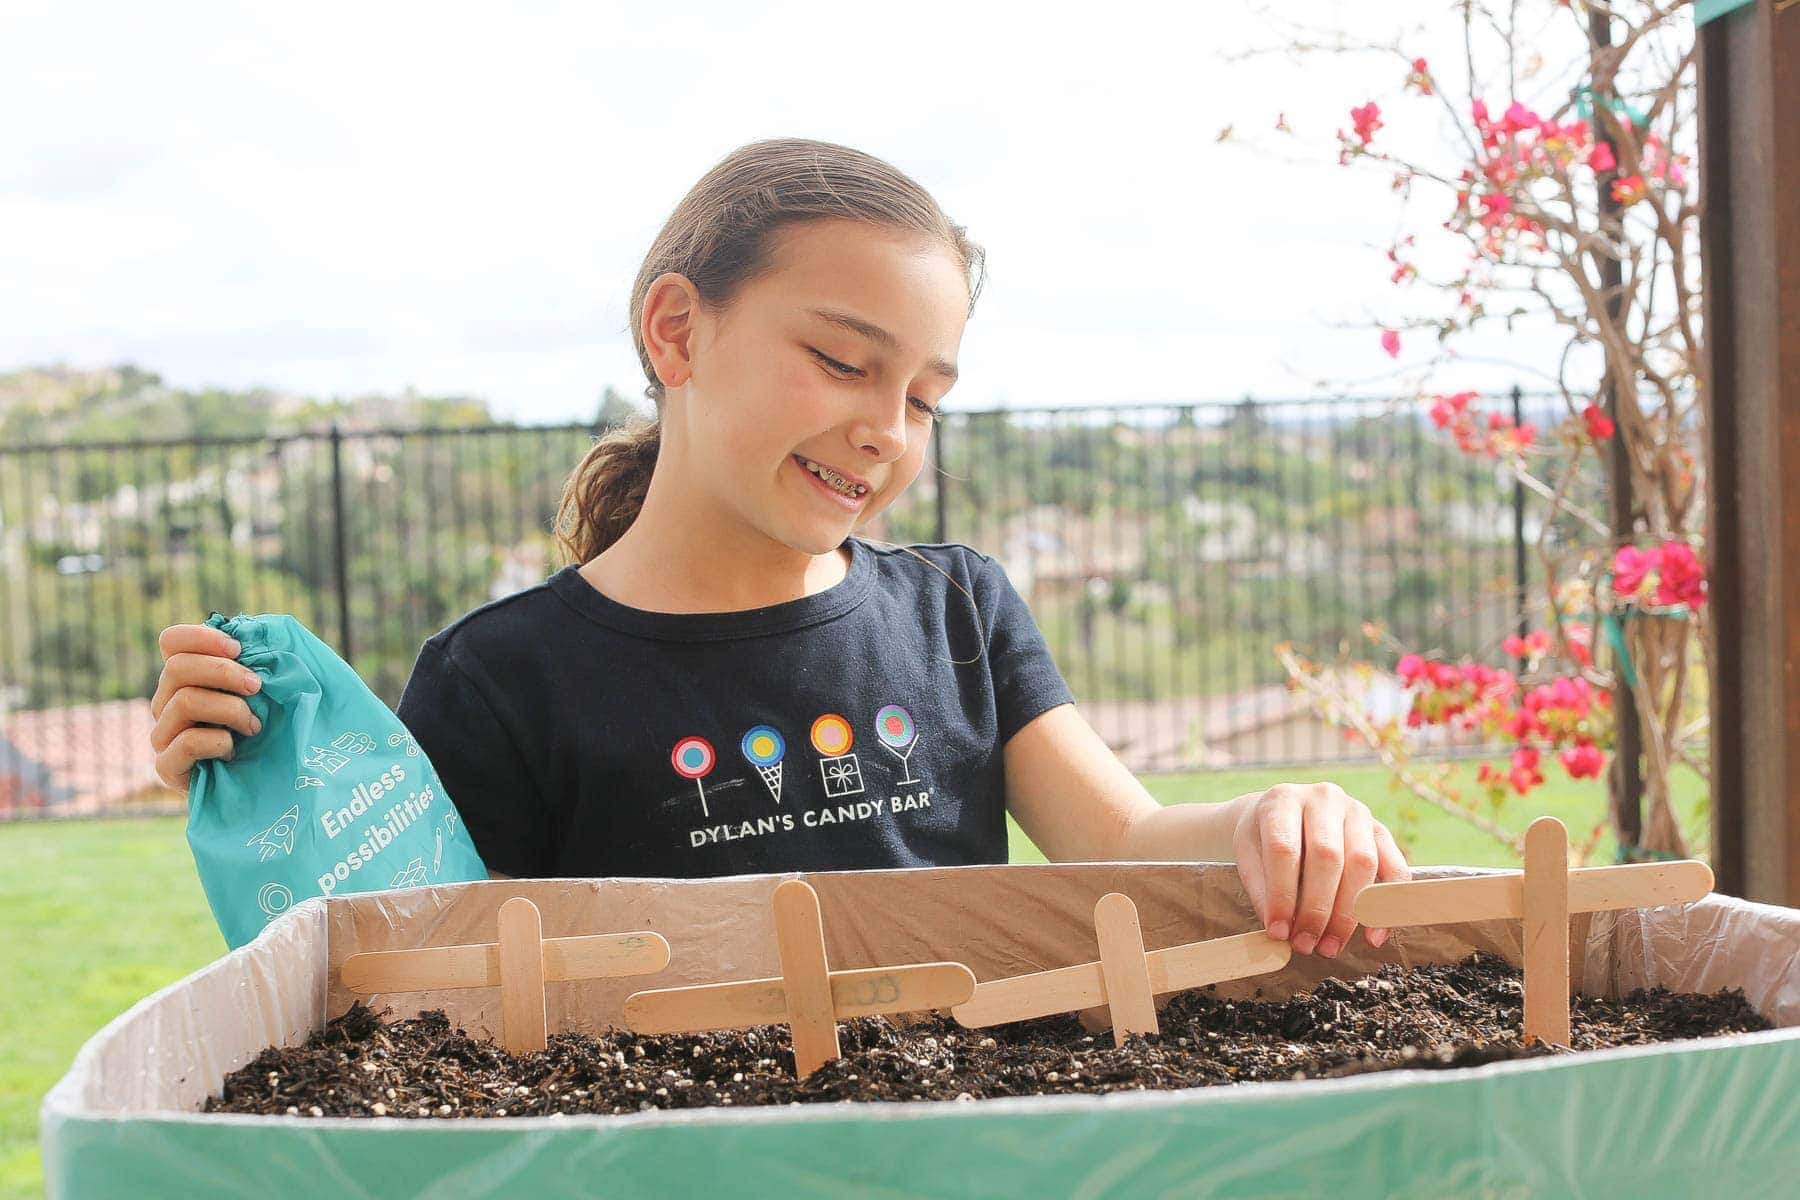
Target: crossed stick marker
point(1543, 897)
point(519, 964)
point(1126, 979)
point(807, 996)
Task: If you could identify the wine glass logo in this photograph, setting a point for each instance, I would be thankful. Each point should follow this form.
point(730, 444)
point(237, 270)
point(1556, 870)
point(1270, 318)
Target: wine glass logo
point(895, 730)
point(764, 746)
point(693, 758)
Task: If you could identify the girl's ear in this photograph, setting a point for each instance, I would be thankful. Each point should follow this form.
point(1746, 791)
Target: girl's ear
point(669, 307)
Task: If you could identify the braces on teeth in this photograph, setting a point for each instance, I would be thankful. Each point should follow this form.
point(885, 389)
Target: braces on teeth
point(836, 481)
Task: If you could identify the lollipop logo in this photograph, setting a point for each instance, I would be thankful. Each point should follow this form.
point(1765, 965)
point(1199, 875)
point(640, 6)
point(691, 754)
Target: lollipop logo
point(895, 730)
point(832, 738)
point(764, 746)
point(693, 758)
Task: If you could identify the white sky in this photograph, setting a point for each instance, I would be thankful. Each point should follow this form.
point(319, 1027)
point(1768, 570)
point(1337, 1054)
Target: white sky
point(334, 199)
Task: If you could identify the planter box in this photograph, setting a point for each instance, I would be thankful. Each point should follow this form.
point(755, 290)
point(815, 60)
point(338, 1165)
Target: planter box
point(1715, 1116)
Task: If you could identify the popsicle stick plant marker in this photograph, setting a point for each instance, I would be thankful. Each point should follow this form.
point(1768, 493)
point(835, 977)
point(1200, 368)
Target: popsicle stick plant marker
point(808, 996)
point(1126, 978)
point(1542, 896)
point(520, 963)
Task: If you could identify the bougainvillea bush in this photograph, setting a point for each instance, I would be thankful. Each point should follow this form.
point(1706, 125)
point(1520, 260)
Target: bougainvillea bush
point(1559, 181)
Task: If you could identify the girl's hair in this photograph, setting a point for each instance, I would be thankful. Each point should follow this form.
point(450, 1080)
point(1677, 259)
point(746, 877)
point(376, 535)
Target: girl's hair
point(721, 237)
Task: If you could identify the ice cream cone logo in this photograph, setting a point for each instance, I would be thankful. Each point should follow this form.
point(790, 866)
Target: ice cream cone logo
point(764, 746)
point(895, 730)
point(832, 738)
point(693, 759)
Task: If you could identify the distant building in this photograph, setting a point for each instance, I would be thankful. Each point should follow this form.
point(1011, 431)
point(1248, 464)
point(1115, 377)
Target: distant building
point(80, 760)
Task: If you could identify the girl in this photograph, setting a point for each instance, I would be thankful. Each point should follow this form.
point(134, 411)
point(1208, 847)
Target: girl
point(725, 678)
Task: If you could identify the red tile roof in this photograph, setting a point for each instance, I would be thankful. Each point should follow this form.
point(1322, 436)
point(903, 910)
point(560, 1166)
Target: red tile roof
point(85, 758)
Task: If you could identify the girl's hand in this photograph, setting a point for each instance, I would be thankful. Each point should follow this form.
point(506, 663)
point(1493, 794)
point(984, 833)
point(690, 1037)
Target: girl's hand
point(200, 688)
point(1304, 852)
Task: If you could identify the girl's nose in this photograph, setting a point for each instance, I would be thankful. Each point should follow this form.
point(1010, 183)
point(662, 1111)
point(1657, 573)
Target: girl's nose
point(883, 439)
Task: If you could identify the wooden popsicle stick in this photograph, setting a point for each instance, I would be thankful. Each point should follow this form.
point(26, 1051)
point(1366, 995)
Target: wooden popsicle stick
point(1040, 994)
point(1197, 964)
point(590, 956)
point(1502, 896)
point(523, 1025)
point(1547, 932)
point(1122, 967)
point(1175, 969)
point(805, 977)
point(867, 992)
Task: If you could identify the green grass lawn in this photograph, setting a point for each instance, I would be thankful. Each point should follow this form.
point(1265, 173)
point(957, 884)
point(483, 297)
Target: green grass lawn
point(101, 913)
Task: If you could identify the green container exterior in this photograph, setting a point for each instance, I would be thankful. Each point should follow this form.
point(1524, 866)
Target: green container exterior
point(1718, 1117)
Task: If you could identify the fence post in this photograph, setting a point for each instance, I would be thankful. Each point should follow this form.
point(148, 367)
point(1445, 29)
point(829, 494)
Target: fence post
point(937, 484)
point(1521, 581)
point(340, 557)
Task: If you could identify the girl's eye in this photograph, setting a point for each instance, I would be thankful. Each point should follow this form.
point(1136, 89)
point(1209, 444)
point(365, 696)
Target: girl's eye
point(835, 365)
point(845, 368)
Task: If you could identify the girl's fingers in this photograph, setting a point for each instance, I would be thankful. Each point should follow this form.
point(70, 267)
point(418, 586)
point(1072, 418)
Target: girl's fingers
point(197, 639)
point(190, 745)
point(201, 706)
point(1360, 864)
point(1324, 867)
point(1392, 868)
point(1278, 829)
point(185, 669)
point(1250, 870)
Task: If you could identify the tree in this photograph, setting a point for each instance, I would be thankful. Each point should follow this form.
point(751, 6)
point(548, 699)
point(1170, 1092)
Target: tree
point(1566, 191)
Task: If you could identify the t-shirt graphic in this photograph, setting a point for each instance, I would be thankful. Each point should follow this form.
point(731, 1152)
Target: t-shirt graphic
point(838, 780)
point(860, 727)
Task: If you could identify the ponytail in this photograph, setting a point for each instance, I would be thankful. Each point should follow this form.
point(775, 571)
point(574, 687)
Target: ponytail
point(606, 490)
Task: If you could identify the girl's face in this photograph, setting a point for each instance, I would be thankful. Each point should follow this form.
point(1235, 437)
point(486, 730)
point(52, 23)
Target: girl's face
point(838, 357)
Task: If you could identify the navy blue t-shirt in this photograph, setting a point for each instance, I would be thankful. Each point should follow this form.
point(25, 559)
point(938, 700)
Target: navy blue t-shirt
point(860, 727)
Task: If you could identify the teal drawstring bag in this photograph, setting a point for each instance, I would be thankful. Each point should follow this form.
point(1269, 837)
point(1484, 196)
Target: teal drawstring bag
point(331, 796)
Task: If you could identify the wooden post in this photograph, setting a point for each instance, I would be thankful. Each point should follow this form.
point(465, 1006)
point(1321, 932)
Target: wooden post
point(1546, 919)
point(1122, 967)
point(521, 949)
point(1750, 245)
point(807, 996)
point(1542, 897)
point(805, 979)
point(519, 963)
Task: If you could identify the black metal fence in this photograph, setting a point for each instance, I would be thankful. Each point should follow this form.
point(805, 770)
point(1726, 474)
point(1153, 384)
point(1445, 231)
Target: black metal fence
point(1164, 551)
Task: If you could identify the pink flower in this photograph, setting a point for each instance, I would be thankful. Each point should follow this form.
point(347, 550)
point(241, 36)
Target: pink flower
point(1629, 189)
point(1410, 668)
point(1390, 341)
point(1683, 579)
point(1444, 675)
point(1525, 774)
point(1630, 566)
point(1601, 157)
point(1582, 761)
point(1420, 78)
point(1519, 118)
point(1599, 425)
point(1523, 724)
point(1581, 642)
point(1366, 120)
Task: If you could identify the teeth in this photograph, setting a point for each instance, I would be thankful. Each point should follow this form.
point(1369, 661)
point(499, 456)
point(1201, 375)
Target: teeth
point(836, 481)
